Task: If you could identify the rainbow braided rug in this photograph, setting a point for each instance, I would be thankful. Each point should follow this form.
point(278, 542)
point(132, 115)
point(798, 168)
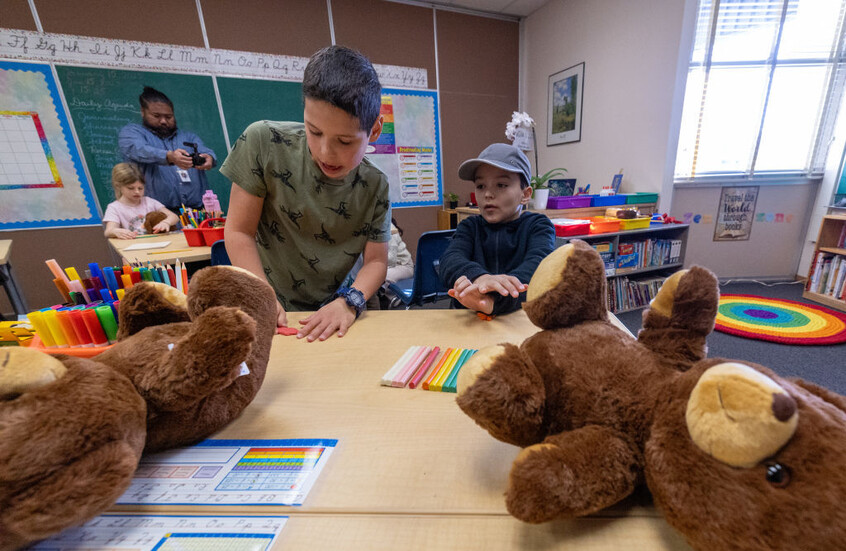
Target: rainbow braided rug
point(784, 321)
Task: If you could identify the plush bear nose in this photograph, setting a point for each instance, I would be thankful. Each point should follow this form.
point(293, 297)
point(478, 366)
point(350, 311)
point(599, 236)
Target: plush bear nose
point(738, 415)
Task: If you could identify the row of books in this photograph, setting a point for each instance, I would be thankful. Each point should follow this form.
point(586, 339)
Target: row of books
point(637, 255)
point(828, 275)
point(627, 294)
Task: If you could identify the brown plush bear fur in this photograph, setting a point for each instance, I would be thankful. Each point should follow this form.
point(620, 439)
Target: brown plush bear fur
point(195, 389)
point(152, 219)
point(68, 447)
point(600, 413)
point(71, 434)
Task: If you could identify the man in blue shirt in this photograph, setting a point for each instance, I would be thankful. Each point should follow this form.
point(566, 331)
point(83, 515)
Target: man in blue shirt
point(173, 174)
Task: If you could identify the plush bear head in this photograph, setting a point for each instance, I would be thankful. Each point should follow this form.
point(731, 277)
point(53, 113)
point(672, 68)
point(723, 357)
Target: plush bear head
point(71, 435)
point(735, 456)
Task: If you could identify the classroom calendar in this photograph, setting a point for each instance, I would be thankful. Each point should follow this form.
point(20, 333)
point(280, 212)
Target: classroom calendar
point(230, 472)
point(113, 532)
point(25, 157)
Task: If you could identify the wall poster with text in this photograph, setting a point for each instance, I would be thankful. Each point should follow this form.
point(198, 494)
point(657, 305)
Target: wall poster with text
point(735, 214)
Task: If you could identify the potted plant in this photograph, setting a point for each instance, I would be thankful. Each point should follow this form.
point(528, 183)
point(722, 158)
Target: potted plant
point(540, 189)
point(452, 199)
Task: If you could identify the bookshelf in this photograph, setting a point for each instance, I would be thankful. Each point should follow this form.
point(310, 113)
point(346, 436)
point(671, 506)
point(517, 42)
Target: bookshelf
point(826, 281)
point(637, 261)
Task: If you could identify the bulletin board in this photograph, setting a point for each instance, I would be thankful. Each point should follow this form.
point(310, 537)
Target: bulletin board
point(42, 180)
point(409, 148)
point(102, 101)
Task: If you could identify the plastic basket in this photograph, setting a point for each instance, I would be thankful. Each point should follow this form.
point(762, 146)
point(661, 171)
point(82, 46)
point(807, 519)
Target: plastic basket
point(641, 197)
point(77, 351)
point(634, 223)
point(568, 202)
point(210, 235)
point(607, 200)
point(600, 224)
point(565, 227)
point(194, 237)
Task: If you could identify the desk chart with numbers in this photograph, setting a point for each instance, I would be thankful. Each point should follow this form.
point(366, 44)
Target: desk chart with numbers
point(25, 157)
point(230, 472)
point(114, 532)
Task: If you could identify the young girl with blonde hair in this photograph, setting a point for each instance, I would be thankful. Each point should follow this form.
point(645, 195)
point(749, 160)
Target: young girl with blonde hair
point(125, 217)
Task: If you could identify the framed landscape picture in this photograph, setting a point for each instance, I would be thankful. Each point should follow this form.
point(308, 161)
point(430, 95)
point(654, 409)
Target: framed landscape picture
point(564, 117)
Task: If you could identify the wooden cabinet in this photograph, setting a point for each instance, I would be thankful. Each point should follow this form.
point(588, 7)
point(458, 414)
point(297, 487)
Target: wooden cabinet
point(637, 261)
point(826, 281)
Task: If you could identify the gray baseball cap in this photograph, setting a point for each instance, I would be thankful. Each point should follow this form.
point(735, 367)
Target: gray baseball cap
point(501, 155)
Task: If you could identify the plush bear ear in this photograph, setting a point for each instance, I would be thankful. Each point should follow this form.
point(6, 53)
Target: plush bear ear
point(738, 415)
point(567, 288)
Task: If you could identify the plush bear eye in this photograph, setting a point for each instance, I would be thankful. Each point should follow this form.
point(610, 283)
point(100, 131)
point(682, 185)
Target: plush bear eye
point(778, 475)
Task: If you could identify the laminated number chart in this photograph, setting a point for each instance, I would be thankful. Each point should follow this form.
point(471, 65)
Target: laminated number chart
point(114, 532)
point(230, 472)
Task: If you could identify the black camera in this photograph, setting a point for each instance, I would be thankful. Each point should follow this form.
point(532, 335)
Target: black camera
point(196, 158)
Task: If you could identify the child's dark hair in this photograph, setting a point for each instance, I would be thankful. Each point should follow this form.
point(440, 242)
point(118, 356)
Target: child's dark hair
point(397, 226)
point(346, 79)
point(151, 95)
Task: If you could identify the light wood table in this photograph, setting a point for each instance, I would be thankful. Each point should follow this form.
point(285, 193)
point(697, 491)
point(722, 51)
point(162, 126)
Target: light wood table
point(178, 249)
point(410, 470)
point(7, 279)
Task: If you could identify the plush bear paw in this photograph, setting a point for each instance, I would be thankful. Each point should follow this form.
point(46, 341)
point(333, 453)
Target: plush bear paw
point(501, 390)
point(571, 474)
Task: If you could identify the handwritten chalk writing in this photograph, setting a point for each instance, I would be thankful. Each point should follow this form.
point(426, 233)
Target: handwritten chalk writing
point(81, 50)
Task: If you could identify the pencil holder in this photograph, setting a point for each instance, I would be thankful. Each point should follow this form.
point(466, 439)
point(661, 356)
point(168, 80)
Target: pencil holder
point(210, 234)
point(194, 237)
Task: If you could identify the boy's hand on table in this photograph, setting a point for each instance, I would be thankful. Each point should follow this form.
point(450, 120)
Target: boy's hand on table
point(122, 233)
point(335, 316)
point(472, 299)
point(503, 284)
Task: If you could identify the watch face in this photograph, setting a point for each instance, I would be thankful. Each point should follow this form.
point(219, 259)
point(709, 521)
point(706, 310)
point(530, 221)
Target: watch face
point(356, 299)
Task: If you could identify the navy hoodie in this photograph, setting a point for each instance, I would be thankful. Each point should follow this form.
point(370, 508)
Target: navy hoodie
point(512, 248)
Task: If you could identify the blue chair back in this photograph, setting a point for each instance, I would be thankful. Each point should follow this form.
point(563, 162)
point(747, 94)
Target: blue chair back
point(425, 286)
point(218, 254)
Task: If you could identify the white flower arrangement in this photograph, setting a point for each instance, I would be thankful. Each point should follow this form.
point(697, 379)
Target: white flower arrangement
point(519, 119)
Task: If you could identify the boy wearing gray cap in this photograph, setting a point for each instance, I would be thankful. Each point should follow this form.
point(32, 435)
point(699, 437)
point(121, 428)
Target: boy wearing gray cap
point(492, 257)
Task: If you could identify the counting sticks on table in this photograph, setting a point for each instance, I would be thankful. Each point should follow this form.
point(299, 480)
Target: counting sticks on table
point(412, 367)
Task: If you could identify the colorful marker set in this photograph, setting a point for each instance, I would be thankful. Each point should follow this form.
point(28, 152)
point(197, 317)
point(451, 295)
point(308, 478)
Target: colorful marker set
point(108, 283)
point(90, 325)
point(413, 366)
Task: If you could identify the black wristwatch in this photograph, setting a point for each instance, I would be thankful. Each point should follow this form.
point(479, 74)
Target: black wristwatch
point(354, 298)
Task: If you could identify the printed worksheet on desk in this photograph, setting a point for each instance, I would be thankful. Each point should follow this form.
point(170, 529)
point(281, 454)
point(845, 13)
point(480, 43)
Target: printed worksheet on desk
point(230, 472)
point(115, 532)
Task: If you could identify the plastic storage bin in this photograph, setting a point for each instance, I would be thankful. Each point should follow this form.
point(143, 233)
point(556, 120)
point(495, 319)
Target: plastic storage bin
point(634, 223)
point(565, 227)
point(568, 202)
point(210, 235)
point(194, 237)
point(600, 224)
point(632, 198)
point(607, 200)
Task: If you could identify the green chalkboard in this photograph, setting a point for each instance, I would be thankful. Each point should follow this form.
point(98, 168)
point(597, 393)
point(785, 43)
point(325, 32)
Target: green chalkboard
point(102, 101)
point(246, 101)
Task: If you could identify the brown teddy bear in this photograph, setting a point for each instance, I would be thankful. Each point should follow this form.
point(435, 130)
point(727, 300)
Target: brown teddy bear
point(72, 430)
point(735, 456)
point(71, 435)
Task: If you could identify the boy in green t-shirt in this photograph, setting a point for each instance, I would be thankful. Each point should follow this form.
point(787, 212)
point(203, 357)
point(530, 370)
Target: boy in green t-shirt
point(305, 203)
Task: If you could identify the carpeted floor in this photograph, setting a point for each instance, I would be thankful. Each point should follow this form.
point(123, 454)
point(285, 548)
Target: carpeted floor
point(823, 365)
